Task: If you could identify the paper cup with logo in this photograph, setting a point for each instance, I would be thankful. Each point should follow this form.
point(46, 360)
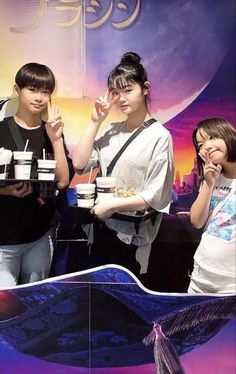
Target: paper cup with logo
point(5, 161)
point(22, 164)
point(46, 169)
point(85, 194)
point(106, 187)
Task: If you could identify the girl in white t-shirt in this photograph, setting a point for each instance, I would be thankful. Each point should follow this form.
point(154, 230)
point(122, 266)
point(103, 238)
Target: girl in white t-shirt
point(146, 165)
point(215, 208)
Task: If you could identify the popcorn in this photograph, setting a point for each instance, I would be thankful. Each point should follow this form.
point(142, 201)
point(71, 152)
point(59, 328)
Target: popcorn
point(126, 191)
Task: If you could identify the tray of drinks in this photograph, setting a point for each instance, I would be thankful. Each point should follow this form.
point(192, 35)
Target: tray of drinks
point(42, 188)
point(136, 217)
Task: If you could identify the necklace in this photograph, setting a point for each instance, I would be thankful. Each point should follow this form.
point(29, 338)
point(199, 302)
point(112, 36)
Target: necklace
point(25, 125)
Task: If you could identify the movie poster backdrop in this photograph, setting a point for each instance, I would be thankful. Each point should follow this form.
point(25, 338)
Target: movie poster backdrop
point(188, 49)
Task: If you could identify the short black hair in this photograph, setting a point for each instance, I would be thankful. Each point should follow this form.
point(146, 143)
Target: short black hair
point(35, 75)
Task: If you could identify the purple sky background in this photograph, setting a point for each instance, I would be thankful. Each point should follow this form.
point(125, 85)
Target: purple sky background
point(184, 45)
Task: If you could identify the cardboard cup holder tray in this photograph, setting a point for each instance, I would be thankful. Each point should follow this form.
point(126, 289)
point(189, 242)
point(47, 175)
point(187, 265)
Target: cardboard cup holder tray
point(83, 216)
point(42, 188)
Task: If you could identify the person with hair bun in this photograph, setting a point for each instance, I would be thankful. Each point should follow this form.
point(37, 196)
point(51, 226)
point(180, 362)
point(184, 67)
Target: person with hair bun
point(214, 270)
point(146, 164)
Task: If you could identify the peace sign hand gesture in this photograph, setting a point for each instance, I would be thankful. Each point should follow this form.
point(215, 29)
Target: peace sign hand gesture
point(54, 124)
point(102, 107)
point(211, 171)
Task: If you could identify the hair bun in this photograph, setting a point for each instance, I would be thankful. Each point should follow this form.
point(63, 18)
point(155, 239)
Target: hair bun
point(130, 58)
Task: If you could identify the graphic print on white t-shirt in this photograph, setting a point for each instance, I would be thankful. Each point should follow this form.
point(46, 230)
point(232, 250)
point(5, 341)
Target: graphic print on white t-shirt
point(221, 225)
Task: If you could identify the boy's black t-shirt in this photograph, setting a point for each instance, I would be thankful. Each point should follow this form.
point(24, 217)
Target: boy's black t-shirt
point(23, 220)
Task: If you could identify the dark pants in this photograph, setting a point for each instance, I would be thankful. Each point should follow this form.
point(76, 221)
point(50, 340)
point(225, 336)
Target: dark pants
point(75, 256)
point(107, 248)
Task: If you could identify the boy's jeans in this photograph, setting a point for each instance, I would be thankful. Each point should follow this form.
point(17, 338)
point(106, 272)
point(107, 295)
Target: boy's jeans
point(25, 263)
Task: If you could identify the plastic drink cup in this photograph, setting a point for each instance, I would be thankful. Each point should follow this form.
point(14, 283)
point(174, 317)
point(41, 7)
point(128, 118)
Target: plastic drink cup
point(46, 169)
point(5, 161)
point(85, 194)
point(22, 164)
point(106, 187)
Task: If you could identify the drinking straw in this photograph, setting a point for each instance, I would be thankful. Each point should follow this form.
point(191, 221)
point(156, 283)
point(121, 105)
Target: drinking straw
point(26, 144)
point(90, 174)
point(44, 156)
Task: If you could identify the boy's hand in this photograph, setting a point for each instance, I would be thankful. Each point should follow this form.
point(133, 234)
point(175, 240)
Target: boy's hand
point(20, 189)
point(54, 124)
